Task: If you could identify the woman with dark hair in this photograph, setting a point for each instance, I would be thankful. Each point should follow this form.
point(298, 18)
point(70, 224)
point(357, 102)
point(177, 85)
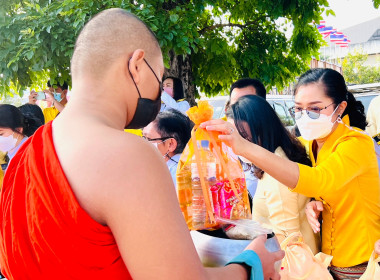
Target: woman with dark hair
point(344, 178)
point(15, 128)
point(169, 133)
point(173, 95)
point(32, 109)
point(273, 204)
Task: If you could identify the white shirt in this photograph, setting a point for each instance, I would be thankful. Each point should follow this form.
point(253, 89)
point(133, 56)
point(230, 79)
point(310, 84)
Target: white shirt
point(373, 117)
point(172, 165)
point(169, 102)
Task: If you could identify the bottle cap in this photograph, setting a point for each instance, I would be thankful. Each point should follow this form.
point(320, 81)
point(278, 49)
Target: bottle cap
point(205, 143)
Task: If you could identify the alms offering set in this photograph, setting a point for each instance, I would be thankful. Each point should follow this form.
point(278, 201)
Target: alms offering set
point(210, 179)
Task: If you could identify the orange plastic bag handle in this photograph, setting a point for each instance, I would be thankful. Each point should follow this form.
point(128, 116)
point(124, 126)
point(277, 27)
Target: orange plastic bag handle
point(224, 165)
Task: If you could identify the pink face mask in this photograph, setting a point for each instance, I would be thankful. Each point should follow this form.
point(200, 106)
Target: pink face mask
point(169, 91)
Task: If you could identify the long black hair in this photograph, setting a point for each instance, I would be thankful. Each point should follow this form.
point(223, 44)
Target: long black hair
point(34, 110)
point(11, 117)
point(173, 123)
point(178, 92)
point(335, 87)
point(265, 129)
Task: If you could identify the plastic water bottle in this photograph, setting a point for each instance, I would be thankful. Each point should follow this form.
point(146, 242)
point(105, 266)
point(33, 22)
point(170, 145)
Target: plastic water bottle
point(184, 192)
point(208, 165)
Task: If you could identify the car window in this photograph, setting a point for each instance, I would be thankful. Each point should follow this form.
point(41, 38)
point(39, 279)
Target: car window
point(218, 112)
point(219, 105)
point(282, 113)
point(289, 104)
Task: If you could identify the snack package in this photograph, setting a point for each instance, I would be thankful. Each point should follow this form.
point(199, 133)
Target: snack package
point(300, 263)
point(243, 229)
point(210, 179)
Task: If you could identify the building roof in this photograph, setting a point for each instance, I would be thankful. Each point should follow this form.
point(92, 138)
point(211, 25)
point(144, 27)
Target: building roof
point(362, 32)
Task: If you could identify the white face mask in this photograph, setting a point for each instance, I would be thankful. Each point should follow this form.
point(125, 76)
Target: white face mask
point(312, 129)
point(7, 143)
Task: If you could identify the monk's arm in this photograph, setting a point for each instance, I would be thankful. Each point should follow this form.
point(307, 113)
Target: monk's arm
point(142, 210)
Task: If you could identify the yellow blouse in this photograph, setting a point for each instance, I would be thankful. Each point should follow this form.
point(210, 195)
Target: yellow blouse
point(278, 208)
point(50, 114)
point(345, 178)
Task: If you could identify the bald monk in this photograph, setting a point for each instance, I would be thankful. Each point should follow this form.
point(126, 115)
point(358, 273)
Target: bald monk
point(85, 200)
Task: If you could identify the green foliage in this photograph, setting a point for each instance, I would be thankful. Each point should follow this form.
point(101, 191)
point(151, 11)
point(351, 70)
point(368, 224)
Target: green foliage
point(225, 39)
point(355, 72)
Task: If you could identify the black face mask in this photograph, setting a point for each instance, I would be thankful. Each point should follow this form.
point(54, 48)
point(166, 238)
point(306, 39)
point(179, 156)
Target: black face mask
point(146, 109)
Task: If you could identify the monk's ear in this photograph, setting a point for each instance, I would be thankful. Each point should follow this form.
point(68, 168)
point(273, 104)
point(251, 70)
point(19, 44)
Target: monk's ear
point(135, 65)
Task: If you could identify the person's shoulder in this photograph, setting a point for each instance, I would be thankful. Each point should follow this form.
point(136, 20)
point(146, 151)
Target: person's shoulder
point(128, 148)
point(374, 105)
point(355, 139)
point(183, 102)
point(376, 99)
point(114, 165)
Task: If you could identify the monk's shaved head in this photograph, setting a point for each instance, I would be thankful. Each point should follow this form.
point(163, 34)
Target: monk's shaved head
point(108, 36)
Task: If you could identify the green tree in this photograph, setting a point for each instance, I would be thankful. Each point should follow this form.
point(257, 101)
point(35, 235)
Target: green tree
point(356, 72)
point(207, 43)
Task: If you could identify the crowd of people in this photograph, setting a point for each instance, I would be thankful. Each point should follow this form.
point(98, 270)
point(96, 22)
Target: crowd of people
point(83, 199)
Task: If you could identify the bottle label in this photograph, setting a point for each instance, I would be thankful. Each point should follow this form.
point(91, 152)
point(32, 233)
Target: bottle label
point(210, 170)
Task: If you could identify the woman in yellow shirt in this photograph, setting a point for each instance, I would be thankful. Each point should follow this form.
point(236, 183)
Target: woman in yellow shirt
point(344, 175)
point(273, 203)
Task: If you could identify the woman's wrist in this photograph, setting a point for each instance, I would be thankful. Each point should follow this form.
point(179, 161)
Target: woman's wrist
point(246, 149)
point(241, 270)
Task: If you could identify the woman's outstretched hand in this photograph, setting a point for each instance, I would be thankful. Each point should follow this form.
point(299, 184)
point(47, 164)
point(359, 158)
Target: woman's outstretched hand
point(229, 134)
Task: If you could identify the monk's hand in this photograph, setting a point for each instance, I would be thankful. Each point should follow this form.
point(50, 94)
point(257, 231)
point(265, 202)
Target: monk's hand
point(377, 247)
point(267, 258)
point(313, 211)
point(229, 134)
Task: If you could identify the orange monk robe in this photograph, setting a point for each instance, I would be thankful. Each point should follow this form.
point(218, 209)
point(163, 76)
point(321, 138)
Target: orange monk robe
point(44, 233)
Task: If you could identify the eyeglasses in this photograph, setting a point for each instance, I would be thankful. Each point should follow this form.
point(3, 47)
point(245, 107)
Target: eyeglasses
point(162, 139)
point(312, 111)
